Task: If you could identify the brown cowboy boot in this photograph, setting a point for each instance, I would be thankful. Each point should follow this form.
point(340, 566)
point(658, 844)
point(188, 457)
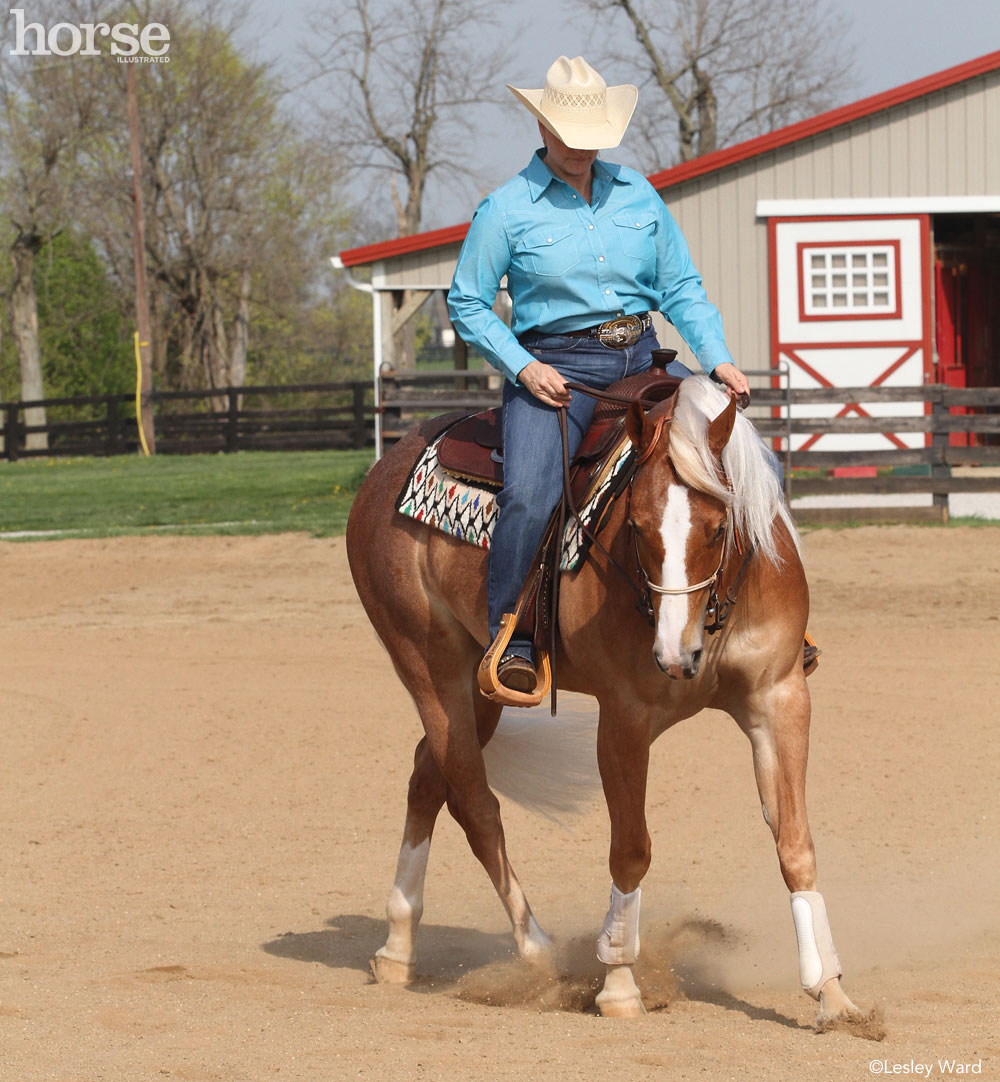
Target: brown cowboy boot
point(810, 655)
point(517, 673)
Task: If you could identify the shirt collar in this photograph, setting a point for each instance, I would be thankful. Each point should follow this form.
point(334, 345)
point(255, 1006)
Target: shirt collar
point(539, 176)
point(609, 171)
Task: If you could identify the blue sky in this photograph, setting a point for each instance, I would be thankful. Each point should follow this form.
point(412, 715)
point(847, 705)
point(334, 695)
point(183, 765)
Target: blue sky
point(897, 41)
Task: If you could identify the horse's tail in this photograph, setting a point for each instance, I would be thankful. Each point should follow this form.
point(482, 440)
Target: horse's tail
point(547, 764)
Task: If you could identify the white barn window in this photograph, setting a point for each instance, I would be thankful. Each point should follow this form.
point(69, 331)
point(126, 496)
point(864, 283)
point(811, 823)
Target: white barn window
point(849, 280)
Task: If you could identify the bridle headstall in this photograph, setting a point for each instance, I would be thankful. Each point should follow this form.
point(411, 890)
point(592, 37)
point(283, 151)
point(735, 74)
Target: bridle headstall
point(716, 612)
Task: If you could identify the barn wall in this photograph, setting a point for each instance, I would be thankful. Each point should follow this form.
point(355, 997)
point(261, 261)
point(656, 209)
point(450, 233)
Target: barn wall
point(941, 145)
point(431, 268)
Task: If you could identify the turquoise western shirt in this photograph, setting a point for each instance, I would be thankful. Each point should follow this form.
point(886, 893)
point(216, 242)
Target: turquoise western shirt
point(570, 265)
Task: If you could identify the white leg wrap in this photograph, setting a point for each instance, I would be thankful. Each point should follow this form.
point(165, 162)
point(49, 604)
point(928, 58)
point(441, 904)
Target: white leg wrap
point(818, 960)
point(618, 944)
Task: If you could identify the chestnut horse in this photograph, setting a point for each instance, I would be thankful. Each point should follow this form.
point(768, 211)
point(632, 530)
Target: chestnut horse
point(705, 511)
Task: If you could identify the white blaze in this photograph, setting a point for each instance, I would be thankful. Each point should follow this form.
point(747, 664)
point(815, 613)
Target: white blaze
point(674, 531)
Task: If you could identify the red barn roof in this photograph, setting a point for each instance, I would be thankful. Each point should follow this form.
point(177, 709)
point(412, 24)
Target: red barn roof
point(719, 159)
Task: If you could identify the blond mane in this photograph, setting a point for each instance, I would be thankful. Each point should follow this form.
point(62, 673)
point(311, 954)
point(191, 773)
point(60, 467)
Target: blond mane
point(757, 499)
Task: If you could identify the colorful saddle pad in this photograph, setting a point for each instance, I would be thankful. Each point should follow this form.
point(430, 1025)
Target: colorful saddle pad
point(467, 510)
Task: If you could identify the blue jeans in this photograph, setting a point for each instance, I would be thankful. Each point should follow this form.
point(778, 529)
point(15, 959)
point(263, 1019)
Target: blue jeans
point(532, 453)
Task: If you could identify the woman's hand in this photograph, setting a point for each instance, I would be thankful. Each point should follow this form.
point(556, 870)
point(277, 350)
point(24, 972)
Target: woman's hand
point(545, 383)
point(735, 382)
point(733, 378)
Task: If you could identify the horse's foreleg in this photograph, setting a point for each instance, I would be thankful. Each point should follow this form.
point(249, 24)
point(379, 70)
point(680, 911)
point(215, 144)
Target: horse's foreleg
point(623, 758)
point(777, 724)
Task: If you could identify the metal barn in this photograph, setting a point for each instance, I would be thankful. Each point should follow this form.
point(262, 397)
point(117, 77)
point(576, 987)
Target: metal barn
point(858, 247)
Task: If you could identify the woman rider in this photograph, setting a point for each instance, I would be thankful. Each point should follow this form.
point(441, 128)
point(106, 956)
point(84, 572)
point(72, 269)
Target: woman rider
point(588, 250)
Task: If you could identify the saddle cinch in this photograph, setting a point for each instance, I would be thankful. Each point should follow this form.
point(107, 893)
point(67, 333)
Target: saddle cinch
point(472, 450)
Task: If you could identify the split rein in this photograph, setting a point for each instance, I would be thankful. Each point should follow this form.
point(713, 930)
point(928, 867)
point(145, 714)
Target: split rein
point(717, 611)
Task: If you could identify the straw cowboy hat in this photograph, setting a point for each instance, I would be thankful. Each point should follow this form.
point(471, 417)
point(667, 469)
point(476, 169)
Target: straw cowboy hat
point(578, 106)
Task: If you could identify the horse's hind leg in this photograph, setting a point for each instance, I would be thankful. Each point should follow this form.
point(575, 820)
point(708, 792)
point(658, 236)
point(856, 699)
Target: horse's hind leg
point(777, 724)
point(395, 962)
point(458, 750)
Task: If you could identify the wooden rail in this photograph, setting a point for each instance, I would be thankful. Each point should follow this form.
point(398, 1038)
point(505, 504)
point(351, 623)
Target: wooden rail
point(303, 416)
point(780, 415)
point(340, 415)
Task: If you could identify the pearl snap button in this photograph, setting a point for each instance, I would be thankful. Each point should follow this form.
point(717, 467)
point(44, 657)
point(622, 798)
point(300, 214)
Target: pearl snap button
point(607, 291)
point(600, 259)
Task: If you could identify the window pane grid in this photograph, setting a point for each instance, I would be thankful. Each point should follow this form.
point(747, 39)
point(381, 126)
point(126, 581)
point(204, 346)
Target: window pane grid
point(849, 279)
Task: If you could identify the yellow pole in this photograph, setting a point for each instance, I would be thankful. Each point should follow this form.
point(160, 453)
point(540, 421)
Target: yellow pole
point(138, 393)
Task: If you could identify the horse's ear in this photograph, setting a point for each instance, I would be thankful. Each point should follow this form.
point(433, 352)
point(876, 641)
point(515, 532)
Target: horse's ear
point(721, 429)
point(635, 424)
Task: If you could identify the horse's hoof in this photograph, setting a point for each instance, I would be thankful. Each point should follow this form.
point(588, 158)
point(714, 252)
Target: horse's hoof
point(391, 970)
point(837, 1012)
point(835, 1005)
point(619, 998)
point(534, 946)
point(619, 1008)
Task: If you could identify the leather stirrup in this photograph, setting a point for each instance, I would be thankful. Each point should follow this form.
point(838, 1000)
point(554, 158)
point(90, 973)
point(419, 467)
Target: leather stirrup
point(489, 683)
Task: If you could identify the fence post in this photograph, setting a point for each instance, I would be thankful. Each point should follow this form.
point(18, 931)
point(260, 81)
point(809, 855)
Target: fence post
point(788, 435)
point(112, 424)
point(233, 421)
point(939, 447)
point(10, 430)
point(360, 427)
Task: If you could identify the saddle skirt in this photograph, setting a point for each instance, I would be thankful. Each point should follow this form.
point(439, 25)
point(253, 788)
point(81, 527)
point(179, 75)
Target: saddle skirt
point(453, 484)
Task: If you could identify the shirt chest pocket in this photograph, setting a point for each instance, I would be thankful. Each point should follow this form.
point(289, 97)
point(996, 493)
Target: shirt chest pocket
point(636, 231)
point(549, 250)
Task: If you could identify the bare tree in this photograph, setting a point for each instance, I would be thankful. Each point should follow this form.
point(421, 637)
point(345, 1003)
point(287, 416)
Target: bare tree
point(728, 69)
point(402, 79)
point(405, 80)
point(46, 114)
point(233, 195)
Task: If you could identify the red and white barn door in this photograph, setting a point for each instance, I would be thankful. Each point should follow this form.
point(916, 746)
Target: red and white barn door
point(851, 308)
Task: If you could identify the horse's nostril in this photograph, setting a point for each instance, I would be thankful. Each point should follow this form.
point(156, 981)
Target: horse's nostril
point(691, 669)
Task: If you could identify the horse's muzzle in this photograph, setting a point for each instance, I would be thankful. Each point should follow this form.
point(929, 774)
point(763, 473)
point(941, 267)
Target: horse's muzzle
point(687, 669)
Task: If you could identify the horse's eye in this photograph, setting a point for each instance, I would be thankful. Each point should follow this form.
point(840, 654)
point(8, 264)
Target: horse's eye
point(719, 533)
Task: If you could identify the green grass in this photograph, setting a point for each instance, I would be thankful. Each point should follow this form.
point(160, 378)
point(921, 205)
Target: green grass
point(251, 492)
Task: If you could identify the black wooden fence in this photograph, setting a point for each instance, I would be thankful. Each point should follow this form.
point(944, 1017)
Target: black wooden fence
point(960, 426)
point(784, 414)
point(305, 416)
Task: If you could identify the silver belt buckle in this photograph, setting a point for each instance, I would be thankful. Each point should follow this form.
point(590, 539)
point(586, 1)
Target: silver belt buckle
point(620, 333)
